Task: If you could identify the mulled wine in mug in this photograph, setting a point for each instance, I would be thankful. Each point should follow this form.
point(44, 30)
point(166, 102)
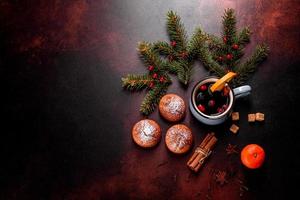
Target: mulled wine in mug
point(213, 108)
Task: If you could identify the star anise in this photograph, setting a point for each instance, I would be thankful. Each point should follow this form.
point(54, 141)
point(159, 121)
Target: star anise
point(221, 177)
point(231, 149)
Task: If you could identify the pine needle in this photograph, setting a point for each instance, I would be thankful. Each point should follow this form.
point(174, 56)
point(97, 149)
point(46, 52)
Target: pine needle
point(152, 99)
point(163, 48)
point(198, 45)
point(229, 25)
point(149, 55)
point(244, 36)
point(136, 82)
point(176, 31)
point(247, 68)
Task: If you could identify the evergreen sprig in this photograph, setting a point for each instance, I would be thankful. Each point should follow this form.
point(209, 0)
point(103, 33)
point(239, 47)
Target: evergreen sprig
point(250, 65)
point(244, 36)
point(229, 26)
point(218, 55)
point(149, 55)
point(199, 44)
point(156, 81)
point(136, 82)
point(179, 59)
point(176, 31)
point(152, 98)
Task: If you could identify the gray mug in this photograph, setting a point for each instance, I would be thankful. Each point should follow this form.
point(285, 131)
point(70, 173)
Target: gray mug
point(219, 118)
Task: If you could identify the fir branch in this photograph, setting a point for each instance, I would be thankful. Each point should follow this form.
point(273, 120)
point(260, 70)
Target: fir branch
point(209, 63)
point(183, 71)
point(136, 82)
point(184, 74)
point(152, 98)
point(215, 43)
point(244, 36)
point(176, 31)
point(197, 41)
point(217, 55)
point(198, 45)
point(229, 26)
point(163, 48)
point(149, 55)
point(246, 69)
point(172, 67)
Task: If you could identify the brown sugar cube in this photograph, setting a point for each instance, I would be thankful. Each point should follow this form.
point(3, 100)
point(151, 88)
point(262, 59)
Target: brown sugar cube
point(235, 116)
point(260, 117)
point(234, 128)
point(251, 117)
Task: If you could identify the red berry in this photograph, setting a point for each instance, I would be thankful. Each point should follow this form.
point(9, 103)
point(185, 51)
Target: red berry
point(229, 56)
point(183, 55)
point(220, 58)
point(224, 107)
point(220, 110)
point(224, 39)
point(201, 108)
point(203, 87)
point(173, 43)
point(151, 68)
point(151, 85)
point(235, 47)
point(154, 75)
point(161, 79)
point(211, 103)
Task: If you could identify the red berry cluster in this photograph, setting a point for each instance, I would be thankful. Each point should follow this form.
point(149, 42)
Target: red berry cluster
point(228, 56)
point(155, 76)
point(211, 103)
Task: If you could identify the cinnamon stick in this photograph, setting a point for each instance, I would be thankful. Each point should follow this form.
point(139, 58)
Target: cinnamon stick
point(198, 156)
point(202, 145)
point(211, 143)
point(209, 146)
point(201, 152)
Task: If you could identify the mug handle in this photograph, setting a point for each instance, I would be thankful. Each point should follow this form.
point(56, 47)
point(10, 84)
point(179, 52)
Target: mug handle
point(242, 91)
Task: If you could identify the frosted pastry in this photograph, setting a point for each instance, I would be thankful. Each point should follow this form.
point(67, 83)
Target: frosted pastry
point(179, 139)
point(172, 107)
point(146, 133)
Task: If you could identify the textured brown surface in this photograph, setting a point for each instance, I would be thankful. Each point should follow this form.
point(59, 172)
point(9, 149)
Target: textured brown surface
point(67, 122)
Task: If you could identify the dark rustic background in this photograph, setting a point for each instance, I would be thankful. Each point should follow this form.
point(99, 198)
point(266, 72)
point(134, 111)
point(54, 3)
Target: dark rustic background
point(66, 122)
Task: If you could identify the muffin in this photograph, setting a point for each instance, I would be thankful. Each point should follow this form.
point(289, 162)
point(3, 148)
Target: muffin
point(146, 133)
point(179, 139)
point(172, 107)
